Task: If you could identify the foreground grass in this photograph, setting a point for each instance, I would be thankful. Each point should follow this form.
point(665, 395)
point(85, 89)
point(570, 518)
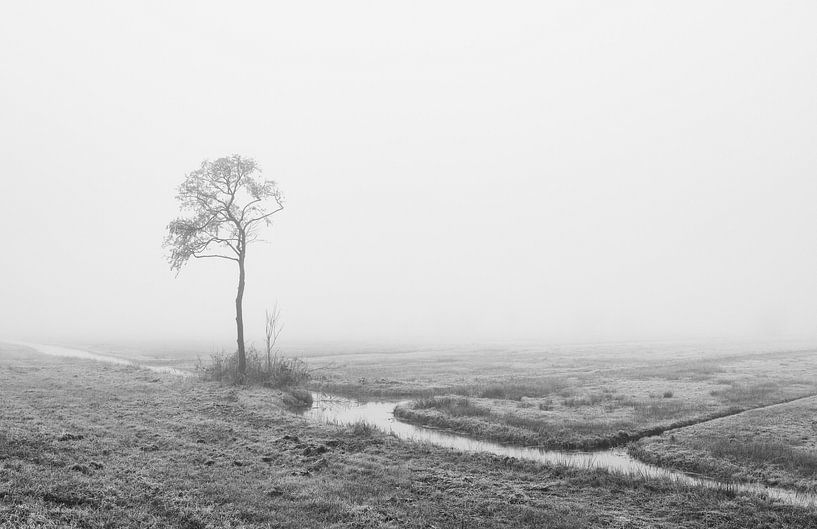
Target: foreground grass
point(775, 446)
point(93, 445)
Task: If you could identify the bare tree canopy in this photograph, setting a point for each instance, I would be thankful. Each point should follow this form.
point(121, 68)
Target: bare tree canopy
point(226, 201)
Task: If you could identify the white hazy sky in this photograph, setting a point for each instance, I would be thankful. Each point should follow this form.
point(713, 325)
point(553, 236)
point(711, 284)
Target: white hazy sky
point(454, 170)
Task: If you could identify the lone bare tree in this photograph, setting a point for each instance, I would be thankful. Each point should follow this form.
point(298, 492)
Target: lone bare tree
point(226, 201)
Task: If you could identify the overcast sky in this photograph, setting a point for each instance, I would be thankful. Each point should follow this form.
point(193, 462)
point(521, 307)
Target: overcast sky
point(454, 171)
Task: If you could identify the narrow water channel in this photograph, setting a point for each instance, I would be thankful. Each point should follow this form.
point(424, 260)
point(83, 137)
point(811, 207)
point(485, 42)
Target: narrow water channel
point(333, 409)
point(58, 350)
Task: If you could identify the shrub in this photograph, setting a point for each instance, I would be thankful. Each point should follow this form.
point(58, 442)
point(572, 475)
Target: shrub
point(297, 398)
point(668, 394)
point(278, 372)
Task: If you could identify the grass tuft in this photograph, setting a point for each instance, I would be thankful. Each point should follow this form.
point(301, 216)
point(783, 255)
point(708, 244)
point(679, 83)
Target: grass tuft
point(513, 389)
point(362, 429)
point(454, 406)
point(279, 372)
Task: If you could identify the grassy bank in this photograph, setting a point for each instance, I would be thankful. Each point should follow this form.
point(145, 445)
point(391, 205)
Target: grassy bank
point(774, 446)
point(561, 402)
point(85, 444)
point(559, 433)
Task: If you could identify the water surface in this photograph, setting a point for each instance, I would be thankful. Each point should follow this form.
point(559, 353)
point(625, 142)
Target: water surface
point(58, 350)
point(344, 411)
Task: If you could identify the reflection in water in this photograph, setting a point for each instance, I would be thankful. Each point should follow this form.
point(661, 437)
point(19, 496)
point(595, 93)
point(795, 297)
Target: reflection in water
point(342, 411)
point(58, 350)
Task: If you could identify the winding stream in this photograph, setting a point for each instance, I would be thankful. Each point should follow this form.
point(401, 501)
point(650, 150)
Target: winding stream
point(332, 409)
point(58, 350)
point(337, 410)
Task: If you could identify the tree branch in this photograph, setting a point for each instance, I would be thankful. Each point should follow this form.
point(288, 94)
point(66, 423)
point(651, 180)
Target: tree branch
point(203, 246)
point(197, 256)
point(262, 217)
point(244, 209)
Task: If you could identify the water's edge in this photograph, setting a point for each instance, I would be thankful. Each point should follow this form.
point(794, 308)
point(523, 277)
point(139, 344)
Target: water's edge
point(404, 412)
point(341, 411)
point(333, 409)
point(67, 352)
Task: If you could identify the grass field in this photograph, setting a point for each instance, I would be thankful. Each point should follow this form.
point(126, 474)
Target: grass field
point(573, 397)
point(775, 445)
point(85, 444)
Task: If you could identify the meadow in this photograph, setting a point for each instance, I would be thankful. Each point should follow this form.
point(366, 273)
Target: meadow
point(776, 445)
point(87, 444)
point(579, 397)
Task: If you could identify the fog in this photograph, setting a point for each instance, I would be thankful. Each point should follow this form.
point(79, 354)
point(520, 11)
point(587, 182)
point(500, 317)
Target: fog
point(454, 172)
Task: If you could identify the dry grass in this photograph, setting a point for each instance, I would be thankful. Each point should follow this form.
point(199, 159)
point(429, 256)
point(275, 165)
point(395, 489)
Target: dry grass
point(278, 372)
point(453, 406)
point(513, 389)
point(588, 400)
point(775, 445)
point(154, 451)
point(743, 393)
point(582, 400)
point(597, 420)
point(792, 459)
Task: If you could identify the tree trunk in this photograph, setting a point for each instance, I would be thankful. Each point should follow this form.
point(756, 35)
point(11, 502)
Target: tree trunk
point(239, 320)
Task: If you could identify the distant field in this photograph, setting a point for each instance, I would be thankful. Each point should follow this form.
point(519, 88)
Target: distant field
point(87, 444)
point(775, 446)
point(572, 397)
